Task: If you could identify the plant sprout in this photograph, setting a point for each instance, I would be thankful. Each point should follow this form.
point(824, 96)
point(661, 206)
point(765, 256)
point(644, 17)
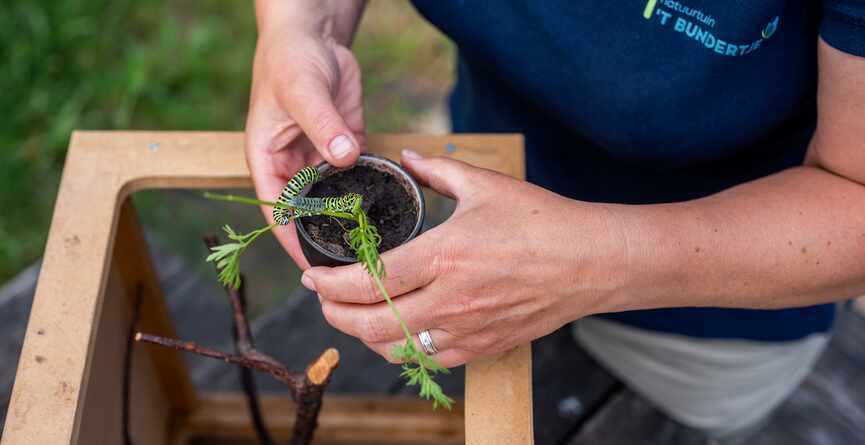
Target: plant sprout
point(418, 368)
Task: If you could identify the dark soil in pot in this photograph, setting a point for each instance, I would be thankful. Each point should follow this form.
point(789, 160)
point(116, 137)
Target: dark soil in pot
point(387, 203)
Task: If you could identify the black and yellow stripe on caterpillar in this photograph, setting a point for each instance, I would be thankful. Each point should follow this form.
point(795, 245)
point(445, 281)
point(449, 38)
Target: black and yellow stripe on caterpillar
point(305, 206)
point(344, 203)
point(295, 185)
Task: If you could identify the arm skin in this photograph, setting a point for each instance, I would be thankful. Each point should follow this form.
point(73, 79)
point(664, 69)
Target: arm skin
point(502, 272)
point(305, 100)
point(796, 238)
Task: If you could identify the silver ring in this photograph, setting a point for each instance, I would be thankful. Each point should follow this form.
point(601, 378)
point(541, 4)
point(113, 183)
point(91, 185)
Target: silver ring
point(427, 342)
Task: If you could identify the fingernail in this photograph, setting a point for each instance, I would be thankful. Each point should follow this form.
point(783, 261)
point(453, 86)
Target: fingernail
point(340, 146)
point(411, 154)
point(307, 282)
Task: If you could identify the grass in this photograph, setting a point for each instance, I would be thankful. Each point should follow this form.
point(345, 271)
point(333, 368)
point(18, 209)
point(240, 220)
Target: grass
point(163, 65)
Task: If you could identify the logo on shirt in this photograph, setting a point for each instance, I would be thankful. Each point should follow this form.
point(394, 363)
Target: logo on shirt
point(770, 28)
point(696, 24)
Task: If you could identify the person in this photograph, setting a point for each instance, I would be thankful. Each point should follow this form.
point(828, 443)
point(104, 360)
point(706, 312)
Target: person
point(696, 180)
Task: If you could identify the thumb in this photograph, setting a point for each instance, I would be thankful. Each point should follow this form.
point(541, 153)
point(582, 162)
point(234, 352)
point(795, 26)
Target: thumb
point(313, 109)
point(444, 175)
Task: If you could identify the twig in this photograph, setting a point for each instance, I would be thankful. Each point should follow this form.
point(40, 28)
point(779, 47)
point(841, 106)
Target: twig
point(309, 396)
point(243, 345)
point(127, 363)
point(276, 370)
point(305, 388)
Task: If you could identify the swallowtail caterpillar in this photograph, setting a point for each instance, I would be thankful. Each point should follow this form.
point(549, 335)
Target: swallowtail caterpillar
point(305, 206)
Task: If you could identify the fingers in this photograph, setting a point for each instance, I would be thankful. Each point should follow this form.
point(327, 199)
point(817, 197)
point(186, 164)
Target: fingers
point(452, 358)
point(447, 176)
point(311, 105)
point(376, 323)
point(410, 266)
point(270, 173)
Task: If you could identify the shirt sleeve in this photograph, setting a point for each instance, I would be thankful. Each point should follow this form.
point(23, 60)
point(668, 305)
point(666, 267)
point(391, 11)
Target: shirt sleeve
point(843, 25)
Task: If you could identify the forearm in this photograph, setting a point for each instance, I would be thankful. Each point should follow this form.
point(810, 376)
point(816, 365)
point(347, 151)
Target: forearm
point(796, 238)
point(330, 18)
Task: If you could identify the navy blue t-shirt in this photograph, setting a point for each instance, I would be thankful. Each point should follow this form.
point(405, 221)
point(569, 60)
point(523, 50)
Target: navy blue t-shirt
point(651, 101)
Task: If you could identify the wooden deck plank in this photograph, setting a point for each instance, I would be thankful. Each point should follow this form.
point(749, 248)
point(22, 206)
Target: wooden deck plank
point(16, 298)
point(569, 386)
point(829, 407)
point(859, 305)
point(629, 419)
point(295, 332)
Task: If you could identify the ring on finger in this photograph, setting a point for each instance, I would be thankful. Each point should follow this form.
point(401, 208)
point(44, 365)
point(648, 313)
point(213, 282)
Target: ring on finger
point(427, 342)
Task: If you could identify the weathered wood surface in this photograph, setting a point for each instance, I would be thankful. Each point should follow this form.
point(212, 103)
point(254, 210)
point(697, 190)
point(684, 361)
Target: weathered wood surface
point(569, 387)
point(827, 409)
point(16, 297)
point(295, 332)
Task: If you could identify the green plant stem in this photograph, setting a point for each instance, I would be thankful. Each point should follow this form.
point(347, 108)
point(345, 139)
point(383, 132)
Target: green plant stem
point(392, 306)
point(258, 202)
point(363, 223)
point(244, 200)
point(256, 233)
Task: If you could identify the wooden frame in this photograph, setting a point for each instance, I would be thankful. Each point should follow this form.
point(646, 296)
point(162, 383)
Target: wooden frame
point(67, 389)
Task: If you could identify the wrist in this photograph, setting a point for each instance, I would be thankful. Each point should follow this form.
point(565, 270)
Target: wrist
point(322, 19)
point(649, 257)
point(626, 265)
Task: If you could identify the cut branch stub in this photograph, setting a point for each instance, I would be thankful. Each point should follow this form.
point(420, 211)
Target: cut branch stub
point(320, 370)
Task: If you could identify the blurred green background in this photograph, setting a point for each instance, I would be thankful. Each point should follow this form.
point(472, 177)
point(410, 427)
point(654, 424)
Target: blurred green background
point(167, 65)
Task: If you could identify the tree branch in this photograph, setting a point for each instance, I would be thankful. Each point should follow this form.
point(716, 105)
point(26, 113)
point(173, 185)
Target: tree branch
point(244, 345)
point(276, 371)
point(305, 388)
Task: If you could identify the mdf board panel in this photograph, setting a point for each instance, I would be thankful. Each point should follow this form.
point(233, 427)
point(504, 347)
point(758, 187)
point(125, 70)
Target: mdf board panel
point(344, 420)
point(133, 263)
point(102, 394)
point(68, 373)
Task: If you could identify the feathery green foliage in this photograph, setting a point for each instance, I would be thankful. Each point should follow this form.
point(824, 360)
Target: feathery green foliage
point(418, 368)
point(227, 256)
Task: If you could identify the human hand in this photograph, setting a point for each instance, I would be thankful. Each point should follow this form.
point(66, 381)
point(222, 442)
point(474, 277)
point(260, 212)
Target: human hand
point(512, 264)
point(305, 106)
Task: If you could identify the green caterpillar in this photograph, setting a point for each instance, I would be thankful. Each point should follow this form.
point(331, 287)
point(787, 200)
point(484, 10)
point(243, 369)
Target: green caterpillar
point(305, 206)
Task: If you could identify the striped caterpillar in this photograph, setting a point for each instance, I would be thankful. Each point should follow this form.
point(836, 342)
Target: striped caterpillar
point(305, 206)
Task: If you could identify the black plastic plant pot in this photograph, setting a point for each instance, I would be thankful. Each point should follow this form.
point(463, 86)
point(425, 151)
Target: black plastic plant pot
point(318, 253)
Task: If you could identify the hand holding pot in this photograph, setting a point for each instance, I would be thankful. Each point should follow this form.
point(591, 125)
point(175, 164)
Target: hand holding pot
point(305, 103)
point(512, 264)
